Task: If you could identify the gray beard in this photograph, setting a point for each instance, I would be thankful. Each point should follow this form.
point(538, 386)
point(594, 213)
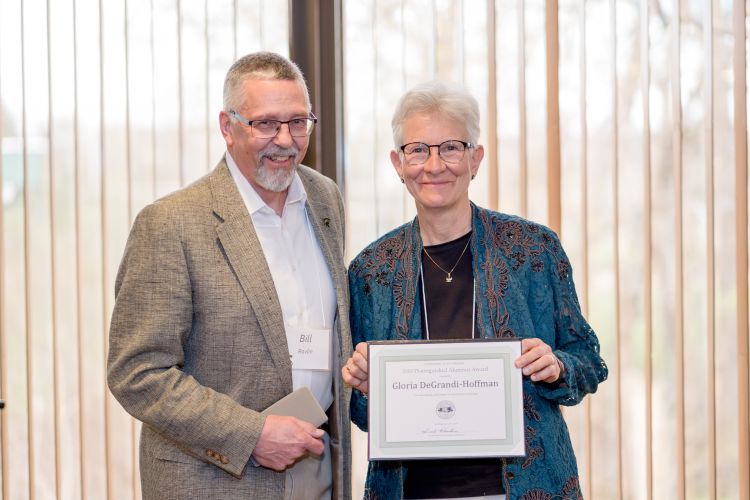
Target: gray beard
point(275, 180)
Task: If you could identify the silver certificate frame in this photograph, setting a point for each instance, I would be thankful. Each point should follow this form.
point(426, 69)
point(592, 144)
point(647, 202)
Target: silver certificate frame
point(436, 399)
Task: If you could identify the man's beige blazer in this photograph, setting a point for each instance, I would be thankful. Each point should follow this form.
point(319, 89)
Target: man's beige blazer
point(197, 341)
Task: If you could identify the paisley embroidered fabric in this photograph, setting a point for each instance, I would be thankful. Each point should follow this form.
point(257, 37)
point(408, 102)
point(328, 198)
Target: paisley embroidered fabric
point(524, 289)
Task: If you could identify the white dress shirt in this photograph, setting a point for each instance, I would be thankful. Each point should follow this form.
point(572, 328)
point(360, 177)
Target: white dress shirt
point(299, 270)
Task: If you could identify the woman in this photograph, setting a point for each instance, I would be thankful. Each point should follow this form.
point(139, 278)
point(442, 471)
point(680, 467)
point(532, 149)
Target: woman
point(461, 271)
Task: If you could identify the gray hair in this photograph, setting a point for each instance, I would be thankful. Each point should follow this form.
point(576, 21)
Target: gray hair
point(447, 100)
point(259, 66)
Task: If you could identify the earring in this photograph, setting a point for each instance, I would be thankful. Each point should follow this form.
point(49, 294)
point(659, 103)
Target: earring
point(402, 180)
point(472, 176)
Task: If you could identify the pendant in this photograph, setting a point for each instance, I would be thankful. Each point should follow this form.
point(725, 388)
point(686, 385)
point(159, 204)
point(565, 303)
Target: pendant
point(448, 278)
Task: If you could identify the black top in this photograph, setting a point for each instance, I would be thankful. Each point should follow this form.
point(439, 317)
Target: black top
point(449, 305)
point(449, 312)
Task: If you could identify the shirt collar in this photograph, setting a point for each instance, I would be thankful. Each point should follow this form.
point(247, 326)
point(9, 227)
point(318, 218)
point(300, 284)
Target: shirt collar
point(295, 194)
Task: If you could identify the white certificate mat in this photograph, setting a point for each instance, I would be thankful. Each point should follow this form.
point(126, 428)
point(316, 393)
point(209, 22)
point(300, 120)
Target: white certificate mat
point(445, 399)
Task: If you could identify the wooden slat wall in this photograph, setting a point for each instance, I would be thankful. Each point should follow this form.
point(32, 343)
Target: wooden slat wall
point(86, 148)
point(741, 209)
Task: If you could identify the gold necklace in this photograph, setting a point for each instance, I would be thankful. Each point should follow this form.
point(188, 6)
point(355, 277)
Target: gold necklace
point(448, 278)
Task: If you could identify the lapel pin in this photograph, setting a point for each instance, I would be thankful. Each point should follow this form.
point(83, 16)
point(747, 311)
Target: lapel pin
point(326, 222)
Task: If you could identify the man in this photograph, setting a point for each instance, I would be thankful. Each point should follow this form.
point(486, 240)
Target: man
point(231, 294)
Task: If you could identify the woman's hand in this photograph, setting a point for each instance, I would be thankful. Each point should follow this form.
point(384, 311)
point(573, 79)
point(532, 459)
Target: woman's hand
point(539, 362)
point(355, 369)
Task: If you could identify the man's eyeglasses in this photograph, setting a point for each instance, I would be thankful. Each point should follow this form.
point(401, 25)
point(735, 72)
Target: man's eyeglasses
point(416, 153)
point(267, 129)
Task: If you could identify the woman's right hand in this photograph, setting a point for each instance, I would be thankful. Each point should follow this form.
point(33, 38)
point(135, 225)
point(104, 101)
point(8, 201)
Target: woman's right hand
point(355, 369)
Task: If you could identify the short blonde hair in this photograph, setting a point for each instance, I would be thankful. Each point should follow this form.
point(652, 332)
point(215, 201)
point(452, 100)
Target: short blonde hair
point(448, 100)
point(259, 66)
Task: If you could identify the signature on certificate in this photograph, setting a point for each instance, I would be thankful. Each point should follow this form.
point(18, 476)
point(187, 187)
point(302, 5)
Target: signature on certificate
point(442, 429)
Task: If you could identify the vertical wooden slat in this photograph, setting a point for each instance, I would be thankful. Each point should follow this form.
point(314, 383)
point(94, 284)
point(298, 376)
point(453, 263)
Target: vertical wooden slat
point(260, 24)
point(26, 194)
point(180, 117)
point(78, 284)
point(103, 200)
point(494, 172)
point(208, 125)
point(152, 44)
point(616, 241)
point(406, 198)
point(462, 40)
point(128, 134)
point(679, 266)
point(402, 29)
point(435, 42)
point(708, 129)
point(522, 147)
point(584, 133)
point(135, 425)
point(4, 444)
point(207, 84)
point(741, 207)
point(129, 204)
point(647, 246)
point(554, 206)
point(53, 254)
point(375, 128)
point(234, 29)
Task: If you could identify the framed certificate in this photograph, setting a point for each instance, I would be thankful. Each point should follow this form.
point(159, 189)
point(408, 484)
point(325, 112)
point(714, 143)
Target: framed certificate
point(444, 399)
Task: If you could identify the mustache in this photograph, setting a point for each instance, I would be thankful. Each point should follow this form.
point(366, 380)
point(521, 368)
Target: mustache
point(273, 150)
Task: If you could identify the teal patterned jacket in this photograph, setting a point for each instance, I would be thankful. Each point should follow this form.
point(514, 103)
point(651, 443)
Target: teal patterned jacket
point(524, 289)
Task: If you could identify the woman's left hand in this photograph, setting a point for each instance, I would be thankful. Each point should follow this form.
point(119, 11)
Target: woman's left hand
point(538, 361)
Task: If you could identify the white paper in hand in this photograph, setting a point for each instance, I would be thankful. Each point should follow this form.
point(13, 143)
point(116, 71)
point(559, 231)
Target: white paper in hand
point(300, 404)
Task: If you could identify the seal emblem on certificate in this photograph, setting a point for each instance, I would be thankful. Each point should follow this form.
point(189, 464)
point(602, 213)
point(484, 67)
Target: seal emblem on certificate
point(445, 409)
point(445, 399)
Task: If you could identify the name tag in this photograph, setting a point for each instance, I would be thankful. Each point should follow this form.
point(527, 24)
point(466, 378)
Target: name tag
point(310, 348)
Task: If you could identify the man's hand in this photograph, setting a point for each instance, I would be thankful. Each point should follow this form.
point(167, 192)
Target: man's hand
point(284, 440)
point(538, 361)
point(355, 369)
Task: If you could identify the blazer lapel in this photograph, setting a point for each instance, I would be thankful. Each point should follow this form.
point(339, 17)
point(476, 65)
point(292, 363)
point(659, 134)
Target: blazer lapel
point(245, 254)
point(321, 218)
